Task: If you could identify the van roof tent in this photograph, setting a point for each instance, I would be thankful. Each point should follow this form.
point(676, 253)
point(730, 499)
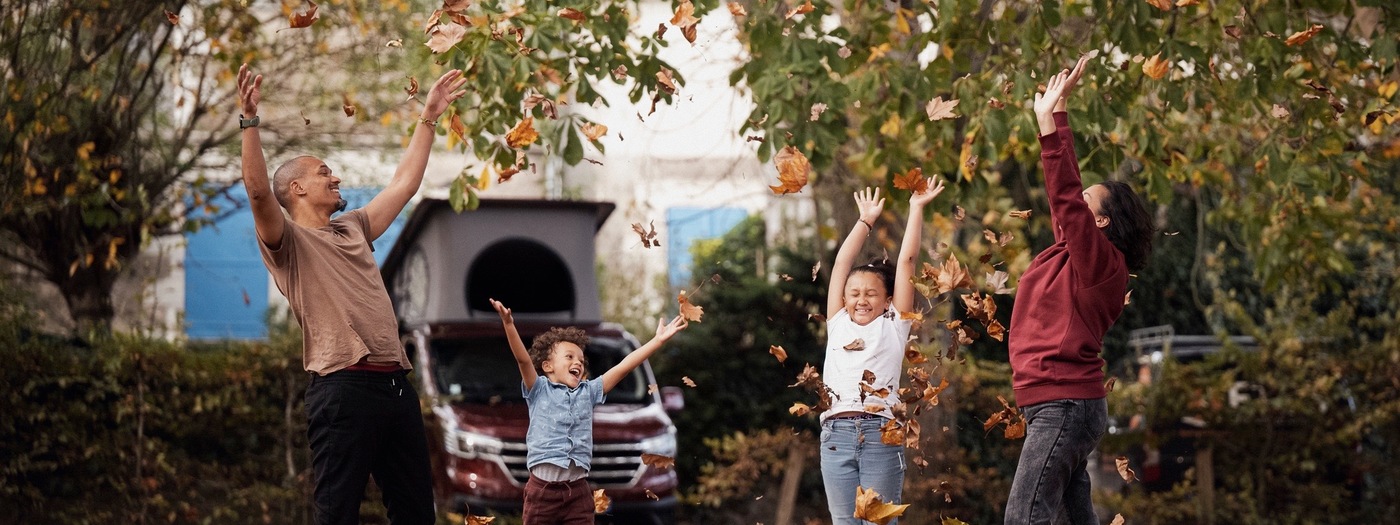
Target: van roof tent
point(536, 256)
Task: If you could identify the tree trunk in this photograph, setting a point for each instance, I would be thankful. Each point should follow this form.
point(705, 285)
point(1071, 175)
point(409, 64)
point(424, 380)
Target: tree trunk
point(88, 292)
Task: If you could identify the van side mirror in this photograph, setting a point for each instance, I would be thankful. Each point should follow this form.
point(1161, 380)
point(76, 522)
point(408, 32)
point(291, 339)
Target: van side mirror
point(672, 399)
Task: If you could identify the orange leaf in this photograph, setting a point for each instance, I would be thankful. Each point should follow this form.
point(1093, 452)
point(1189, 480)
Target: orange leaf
point(799, 409)
point(172, 17)
point(856, 345)
point(737, 9)
point(347, 106)
point(869, 507)
point(778, 352)
point(690, 311)
point(523, 134)
point(572, 14)
point(793, 169)
point(938, 109)
point(1155, 67)
point(480, 520)
point(455, 125)
point(658, 461)
point(685, 15)
point(1123, 470)
point(593, 131)
point(892, 433)
point(454, 6)
point(688, 381)
point(913, 181)
point(1165, 5)
point(444, 37)
point(1020, 214)
point(667, 84)
point(601, 502)
point(914, 356)
point(1301, 37)
point(412, 88)
point(300, 20)
point(800, 10)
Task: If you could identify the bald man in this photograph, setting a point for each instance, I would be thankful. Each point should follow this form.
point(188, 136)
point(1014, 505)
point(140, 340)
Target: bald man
point(362, 413)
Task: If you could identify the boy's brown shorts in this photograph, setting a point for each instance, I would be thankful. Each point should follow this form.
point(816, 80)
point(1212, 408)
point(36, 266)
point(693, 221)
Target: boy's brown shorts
point(558, 502)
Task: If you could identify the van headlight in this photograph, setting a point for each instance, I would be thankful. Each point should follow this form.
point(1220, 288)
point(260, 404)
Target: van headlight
point(470, 445)
point(661, 444)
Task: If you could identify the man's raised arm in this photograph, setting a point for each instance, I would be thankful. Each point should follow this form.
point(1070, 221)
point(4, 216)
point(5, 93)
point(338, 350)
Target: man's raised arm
point(387, 205)
point(267, 214)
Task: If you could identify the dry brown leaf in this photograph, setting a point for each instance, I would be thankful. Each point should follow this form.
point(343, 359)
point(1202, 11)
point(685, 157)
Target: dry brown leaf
point(690, 311)
point(663, 78)
point(1279, 112)
point(347, 106)
point(300, 20)
point(572, 14)
point(870, 508)
point(856, 345)
point(1302, 37)
point(1108, 385)
point(892, 433)
point(997, 282)
point(523, 134)
point(619, 73)
point(601, 502)
point(1165, 5)
point(689, 32)
point(1020, 214)
point(803, 9)
point(793, 169)
point(454, 124)
point(1127, 473)
point(1232, 31)
point(172, 17)
point(456, 6)
point(480, 520)
point(959, 213)
point(1155, 67)
point(996, 331)
point(914, 356)
point(412, 88)
point(652, 389)
point(593, 131)
point(996, 104)
point(685, 15)
point(658, 461)
point(799, 409)
point(661, 31)
point(913, 181)
point(938, 109)
point(778, 352)
point(688, 381)
point(444, 37)
point(737, 9)
point(648, 236)
point(1187, 3)
point(952, 276)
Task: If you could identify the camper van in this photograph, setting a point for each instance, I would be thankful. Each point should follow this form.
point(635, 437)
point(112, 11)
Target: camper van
point(537, 257)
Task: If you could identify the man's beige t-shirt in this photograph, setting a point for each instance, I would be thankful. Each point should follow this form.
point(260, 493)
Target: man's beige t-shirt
point(333, 285)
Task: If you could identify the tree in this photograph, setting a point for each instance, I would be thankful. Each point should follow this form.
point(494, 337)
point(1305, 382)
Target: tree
point(118, 114)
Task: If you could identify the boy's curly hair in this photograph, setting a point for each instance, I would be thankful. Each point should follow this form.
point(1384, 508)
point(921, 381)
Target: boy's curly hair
point(543, 345)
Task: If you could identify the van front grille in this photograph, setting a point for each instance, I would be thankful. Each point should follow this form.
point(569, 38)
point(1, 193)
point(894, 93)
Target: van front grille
point(615, 465)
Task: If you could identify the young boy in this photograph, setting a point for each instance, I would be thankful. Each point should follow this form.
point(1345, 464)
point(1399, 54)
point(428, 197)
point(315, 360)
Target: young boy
point(559, 441)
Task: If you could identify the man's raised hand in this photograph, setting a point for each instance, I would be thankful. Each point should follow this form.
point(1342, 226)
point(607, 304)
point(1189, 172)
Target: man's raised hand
point(447, 89)
point(249, 92)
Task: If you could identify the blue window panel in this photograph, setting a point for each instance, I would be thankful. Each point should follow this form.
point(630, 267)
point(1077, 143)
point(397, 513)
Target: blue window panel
point(684, 226)
point(226, 283)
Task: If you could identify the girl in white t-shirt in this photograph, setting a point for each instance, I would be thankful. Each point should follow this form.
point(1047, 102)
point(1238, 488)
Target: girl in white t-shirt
point(865, 332)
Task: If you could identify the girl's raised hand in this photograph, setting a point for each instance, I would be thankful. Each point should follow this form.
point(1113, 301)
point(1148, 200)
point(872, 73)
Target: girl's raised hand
point(665, 330)
point(934, 187)
point(1054, 89)
point(870, 204)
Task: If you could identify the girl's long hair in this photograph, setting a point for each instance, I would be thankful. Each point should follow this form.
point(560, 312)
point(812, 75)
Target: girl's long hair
point(1130, 226)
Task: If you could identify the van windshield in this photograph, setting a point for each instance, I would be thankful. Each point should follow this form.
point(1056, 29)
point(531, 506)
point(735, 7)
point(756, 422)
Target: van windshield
point(483, 371)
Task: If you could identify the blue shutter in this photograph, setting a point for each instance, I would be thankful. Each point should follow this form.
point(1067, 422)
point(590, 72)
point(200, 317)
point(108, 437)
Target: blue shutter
point(684, 226)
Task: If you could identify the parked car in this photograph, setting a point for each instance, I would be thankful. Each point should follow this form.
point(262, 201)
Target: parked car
point(538, 258)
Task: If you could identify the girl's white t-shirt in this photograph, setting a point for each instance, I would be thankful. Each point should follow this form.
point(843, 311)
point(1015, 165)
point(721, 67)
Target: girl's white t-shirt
point(884, 339)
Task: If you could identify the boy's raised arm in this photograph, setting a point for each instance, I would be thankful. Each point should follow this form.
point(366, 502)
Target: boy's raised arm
point(517, 347)
point(664, 332)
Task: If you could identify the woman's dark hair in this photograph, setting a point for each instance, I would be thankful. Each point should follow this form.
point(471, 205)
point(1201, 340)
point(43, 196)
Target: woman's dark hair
point(1130, 226)
point(882, 268)
point(543, 345)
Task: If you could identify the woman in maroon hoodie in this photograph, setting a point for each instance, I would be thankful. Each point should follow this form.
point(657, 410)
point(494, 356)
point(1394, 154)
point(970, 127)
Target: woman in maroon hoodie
point(1069, 297)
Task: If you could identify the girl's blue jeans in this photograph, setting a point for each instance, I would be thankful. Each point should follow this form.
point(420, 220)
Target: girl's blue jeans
point(1051, 480)
point(852, 455)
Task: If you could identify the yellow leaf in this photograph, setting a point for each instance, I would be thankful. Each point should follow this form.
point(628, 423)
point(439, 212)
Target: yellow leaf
point(891, 126)
point(593, 131)
point(778, 352)
point(1388, 89)
point(793, 170)
point(1155, 67)
point(601, 502)
point(901, 24)
point(870, 508)
point(523, 134)
point(85, 150)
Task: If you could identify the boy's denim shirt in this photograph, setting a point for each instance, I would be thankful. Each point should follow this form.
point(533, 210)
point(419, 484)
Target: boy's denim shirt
point(561, 422)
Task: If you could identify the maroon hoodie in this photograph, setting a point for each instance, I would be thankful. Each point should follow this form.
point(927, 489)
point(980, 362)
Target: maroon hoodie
point(1071, 293)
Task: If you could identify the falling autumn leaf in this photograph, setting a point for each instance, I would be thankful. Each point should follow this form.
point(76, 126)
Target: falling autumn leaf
point(347, 106)
point(959, 213)
point(913, 181)
point(689, 32)
point(665, 81)
point(652, 496)
point(593, 131)
point(870, 508)
point(684, 15)
point(778, 352)
point(455, 125)
point(1128, 298)
point(938, 109)
point(523, 134)
point(648, 237)
point(1165, 5)
point(444, 37)
point(1127, 473)
point(914, 356)
point(997, 282)
point(601, 502)
point(799, 409)
point(1155, 67)
point(690, 311)
point(1108, 385)
point(996, 104)
point(688, 381)
point(480, 520)
point(1019, 214)
point(803, 9)
point(305, 121)
point(737, 9)
point(397, 42)
point(793, 169)
point(856, 345)
point(300, 20)
point(1301, 37)
point(658, 461)
point(572, 14)
point(412, 88)
point(1232, 31)
point(619, 73)
point(1117, 520)
point(1279, 112)
point(172, 17)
